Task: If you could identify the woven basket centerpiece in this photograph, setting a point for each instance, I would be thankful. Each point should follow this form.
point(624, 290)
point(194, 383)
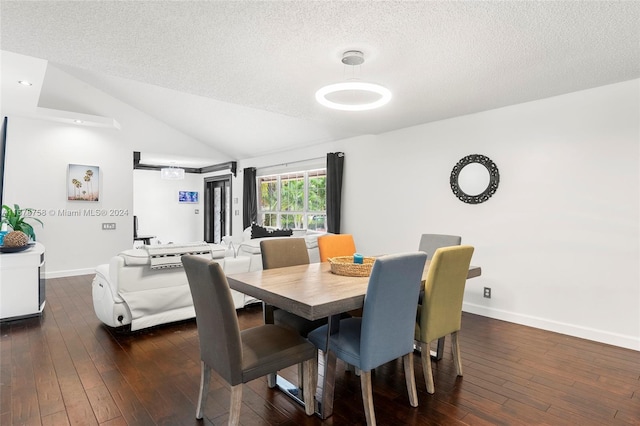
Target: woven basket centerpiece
point(343, 265)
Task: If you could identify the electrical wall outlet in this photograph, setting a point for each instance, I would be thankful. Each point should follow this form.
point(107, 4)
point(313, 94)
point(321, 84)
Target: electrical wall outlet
point(108, 226)
point(487, 292)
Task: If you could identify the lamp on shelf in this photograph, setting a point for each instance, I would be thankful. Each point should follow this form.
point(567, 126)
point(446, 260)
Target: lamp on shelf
point(353, 95)
point(172, 173)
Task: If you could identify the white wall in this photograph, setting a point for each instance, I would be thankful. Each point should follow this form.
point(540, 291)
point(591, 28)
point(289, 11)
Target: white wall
point(155, 202)
point(38, 152)
point(559, 241)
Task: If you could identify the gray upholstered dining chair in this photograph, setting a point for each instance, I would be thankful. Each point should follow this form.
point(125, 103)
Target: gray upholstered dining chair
point(429, 243)
point(281, 252)
point(240, 356)
point(385, 330)
point(440, 312)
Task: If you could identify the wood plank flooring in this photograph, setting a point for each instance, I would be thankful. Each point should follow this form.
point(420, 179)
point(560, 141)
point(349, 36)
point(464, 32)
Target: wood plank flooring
point(67, 368)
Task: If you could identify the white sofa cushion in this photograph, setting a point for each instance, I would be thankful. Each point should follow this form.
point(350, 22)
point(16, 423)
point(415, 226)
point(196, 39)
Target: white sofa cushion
point(140, 256)
point(135, 257)
point(217, 251)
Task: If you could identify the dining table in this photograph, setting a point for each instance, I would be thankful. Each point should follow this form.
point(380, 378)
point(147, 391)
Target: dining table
point(311, 291)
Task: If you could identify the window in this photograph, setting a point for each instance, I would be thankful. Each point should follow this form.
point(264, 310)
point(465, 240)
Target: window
point(293, 200)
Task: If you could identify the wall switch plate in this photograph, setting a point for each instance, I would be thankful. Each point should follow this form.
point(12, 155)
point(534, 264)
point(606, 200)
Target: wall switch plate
point(487, 292)
point(108, 226)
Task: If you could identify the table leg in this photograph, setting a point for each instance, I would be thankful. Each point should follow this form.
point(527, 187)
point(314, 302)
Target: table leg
point(267, 314)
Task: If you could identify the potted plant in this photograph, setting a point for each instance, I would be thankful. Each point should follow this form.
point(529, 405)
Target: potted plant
point(16, 219)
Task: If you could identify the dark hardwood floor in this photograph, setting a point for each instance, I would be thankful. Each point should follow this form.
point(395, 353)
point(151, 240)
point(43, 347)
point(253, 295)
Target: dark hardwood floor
point(67, 368)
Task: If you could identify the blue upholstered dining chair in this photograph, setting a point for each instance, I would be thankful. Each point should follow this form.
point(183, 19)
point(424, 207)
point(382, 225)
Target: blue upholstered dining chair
point(240, 356)
point(440, 312)
point(386, 329)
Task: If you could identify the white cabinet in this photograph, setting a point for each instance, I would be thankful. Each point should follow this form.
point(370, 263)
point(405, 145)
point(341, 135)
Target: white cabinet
point(22, 283)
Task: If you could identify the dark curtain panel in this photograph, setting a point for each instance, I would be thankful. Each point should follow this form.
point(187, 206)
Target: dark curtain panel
point(249, 199)
point(335, 165)
point(3, 144)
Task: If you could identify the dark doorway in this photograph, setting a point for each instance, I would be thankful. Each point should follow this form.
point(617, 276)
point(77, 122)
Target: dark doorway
point(217, 208)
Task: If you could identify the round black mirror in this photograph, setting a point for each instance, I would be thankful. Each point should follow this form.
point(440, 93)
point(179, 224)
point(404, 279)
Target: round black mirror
point(474, 179)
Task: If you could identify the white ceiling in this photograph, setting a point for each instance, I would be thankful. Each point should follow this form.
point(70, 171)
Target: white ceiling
point(241, 76)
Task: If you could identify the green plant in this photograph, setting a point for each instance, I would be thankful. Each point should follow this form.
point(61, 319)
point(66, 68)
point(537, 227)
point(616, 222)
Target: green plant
point(16, 217)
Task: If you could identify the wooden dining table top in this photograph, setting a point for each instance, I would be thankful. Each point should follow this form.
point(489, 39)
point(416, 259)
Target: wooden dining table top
point(311, 291)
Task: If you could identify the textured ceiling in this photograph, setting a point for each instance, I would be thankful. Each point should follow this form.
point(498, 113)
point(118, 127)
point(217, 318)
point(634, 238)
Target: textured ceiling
point(241, 76)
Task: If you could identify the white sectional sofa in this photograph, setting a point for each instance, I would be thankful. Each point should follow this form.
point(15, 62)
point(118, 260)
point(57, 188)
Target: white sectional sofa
point(147, 286)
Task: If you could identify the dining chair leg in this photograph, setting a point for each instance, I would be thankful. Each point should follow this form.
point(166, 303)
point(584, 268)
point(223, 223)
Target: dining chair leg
point(426, 367)
point(205, 377)
point(353, 369)
point(410, 378)
point(455, 349)
point(440, 348)
point(236, 405)
point(328, 384)
point(310, 380)
point(301, 376)
point(271, 380)
point(367, 397)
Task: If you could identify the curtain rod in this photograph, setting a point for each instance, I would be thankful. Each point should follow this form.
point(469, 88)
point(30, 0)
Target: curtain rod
point(292, 162)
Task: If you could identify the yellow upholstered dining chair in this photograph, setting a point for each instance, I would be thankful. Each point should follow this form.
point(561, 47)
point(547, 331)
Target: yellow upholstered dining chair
point(336, 245)
point(440, 313)
point(429, 243)
point(240, 356)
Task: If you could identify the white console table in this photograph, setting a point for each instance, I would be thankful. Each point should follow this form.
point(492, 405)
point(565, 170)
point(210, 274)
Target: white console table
point(22, 283)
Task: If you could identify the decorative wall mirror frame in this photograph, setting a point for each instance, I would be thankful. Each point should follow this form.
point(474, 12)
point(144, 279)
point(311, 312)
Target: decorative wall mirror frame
point(483, 195)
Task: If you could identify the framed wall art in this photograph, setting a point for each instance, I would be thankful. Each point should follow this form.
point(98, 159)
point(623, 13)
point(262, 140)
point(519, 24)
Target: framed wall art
point(188, 197)
point(83, 183)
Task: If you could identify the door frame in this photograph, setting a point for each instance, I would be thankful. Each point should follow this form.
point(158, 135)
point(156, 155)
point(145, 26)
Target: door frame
point(208, 205)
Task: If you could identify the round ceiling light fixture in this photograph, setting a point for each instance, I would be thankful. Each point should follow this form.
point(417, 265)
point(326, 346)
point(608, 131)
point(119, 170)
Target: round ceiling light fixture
point(353, 95)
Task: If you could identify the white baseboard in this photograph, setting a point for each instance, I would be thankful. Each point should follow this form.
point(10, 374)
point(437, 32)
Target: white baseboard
point(624, 341)
point(70, 273)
